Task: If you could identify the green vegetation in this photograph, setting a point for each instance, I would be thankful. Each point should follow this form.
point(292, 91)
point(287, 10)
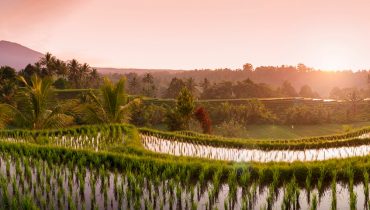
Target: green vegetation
point(179, 117)
point(34, 107)
point(121, 154)
point(347, 139)
point(79, 155)
point(285, 131)
point(111, 107)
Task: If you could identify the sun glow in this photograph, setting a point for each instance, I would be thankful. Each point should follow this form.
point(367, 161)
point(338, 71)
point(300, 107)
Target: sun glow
point(335, 57)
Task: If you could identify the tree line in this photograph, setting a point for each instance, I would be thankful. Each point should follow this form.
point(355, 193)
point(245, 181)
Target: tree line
point(320, 82)
point(65, 75)
point(146, 85)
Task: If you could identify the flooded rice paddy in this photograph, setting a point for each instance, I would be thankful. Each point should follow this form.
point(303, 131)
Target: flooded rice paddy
point(178, 148)
point(68, 186)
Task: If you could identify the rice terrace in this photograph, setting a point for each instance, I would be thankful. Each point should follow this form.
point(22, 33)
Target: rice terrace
point(184, 105)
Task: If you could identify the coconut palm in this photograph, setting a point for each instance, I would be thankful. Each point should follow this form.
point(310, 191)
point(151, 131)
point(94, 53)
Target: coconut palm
point(111, 106)
point(94, 78)
point(35, 107)
point(73, 68)
point(48, 63)
point(6, 113)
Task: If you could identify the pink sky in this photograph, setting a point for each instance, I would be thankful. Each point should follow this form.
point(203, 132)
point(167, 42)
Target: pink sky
point(188, 34)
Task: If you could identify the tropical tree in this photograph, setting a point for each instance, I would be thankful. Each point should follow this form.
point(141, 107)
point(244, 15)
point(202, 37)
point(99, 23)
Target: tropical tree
point(174, 88)
point(288, 90)
point(29, 71)
point(179, 118)
point(94, 77)
point(111, 106)
point(201, 115)
point(205, 84)
point(36, 108)
point(191, 84)
point(74, 72)
point(133, 84)
point(48, 65)
point(8, 84)
point(149, 87)
point(247, 67)
point(6, 114)
point(307, 92)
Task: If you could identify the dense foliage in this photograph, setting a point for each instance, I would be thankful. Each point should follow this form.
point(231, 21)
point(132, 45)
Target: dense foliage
point(111, 106)
point(178, 118)
point(35, 107)
point(266, 81)
point(70, 74)
point(8, 84)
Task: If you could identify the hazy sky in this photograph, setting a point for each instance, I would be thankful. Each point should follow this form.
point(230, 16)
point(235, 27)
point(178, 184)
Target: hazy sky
point(187, 34)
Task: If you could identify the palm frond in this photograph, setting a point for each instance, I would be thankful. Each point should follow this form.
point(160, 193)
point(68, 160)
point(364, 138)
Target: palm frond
point(11, 115)
point(6, 115)
point(58, 121)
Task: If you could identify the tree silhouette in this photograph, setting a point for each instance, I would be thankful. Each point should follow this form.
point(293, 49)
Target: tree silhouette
point(148, 85)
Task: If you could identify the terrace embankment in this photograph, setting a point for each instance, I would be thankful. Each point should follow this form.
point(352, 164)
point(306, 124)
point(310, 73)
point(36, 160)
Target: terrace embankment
point(355, 144)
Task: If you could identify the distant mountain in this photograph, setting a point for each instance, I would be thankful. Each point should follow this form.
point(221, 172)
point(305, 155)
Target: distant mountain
point(19, 56)
point(16, 55)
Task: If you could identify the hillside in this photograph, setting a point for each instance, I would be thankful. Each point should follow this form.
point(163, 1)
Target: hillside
point(16, 55)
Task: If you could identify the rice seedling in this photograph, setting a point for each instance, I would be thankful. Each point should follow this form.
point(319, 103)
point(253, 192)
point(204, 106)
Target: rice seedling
point(314, 202)
point(366, 187)
point(76, 175)
point(334, 192)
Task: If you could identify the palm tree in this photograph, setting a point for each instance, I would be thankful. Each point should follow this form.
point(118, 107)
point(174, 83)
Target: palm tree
point(6, 113)
point(84, 72)
point(61, 68)
point(73, 68)
point(94, 78)
point(111, 107)
point(48, 62)
point(35, 108)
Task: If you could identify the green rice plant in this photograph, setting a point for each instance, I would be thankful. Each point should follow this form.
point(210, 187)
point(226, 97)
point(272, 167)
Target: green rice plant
point(352, 194)
point(8, 168)
point(334, 192)
point(178, 196)
point(272, 188)
point(179, 176)
point(348, 139)
point(232, 182)
point(366, 186)
point(291, 195)
point(194, 206)
point(314, 202)
point(320, 181)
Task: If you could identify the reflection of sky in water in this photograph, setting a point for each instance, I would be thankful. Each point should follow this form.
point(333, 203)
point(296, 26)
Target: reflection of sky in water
point(241, 155)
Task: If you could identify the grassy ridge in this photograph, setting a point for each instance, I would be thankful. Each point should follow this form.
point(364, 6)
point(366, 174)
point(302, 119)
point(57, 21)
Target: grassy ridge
point(347, 139)
point(269, 132)
point(133, 162)
point(142, 167)
point(131, 155)
point(115, 130)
